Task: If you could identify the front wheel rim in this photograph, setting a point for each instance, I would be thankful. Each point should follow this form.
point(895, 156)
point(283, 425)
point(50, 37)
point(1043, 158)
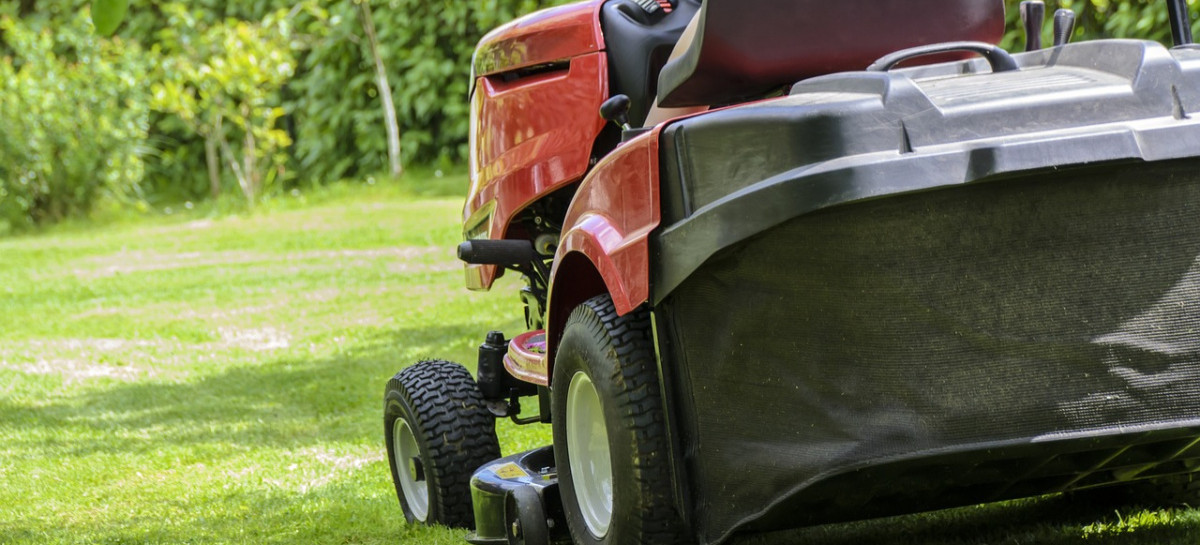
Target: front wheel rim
point(590, 460)
point(410, 469)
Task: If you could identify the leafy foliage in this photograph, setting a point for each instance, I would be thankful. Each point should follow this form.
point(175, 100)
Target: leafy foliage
point(337, 115)
point(283, 89)
point(331, 103)
point(74, 113)
point(224, 81)
point(1142, 19)
point(107, 15)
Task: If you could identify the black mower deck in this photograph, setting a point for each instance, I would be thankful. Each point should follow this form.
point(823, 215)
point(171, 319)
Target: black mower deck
point(899, 291)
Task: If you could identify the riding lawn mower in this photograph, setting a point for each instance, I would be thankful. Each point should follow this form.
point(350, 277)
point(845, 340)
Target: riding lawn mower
point(880, 266)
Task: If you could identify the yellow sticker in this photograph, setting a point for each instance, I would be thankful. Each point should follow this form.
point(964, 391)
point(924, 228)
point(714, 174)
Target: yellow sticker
point(510, 471)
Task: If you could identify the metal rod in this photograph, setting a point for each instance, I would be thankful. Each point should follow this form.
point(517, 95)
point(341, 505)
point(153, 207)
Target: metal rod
point(1181, 21)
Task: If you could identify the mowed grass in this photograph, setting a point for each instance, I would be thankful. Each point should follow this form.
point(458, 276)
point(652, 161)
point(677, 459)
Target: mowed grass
point(193, 380)
point(186, 379)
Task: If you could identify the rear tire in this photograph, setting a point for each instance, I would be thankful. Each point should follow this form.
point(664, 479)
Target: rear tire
point(438, 433)
point(610, 436)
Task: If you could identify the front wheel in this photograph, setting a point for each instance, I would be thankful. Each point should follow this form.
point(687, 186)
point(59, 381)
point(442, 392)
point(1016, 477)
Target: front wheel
point(438, 433)
point(610, 437)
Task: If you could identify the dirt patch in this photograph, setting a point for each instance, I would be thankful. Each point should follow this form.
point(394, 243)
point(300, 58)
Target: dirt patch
point(79, 370)
point(131, 360)
point(143, 261)
point(260, 339)
point(334, 465)
point(78, 360)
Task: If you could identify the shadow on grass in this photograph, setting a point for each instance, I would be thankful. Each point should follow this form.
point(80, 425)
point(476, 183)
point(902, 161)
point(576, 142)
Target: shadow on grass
point(286, 403)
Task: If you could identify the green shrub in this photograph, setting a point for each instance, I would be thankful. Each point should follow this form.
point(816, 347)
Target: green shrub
point(73, 115)
point(334, 106)
point(222, 81)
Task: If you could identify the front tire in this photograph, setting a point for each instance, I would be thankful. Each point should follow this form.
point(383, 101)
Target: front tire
point(438, 432)
point(610, 436)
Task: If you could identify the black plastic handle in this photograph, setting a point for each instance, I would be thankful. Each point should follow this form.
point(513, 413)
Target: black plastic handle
point(1064, 26)
point(1181, 21)
point(1033, 17)
point(616, 109)
point(497, 252)
point(1000, 60)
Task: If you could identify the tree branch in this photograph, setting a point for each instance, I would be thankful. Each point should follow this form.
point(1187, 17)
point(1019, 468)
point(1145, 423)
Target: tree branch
point(385, 90)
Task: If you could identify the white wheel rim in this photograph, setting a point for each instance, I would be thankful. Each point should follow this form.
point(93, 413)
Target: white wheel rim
point(587, 447)
point(411, 470)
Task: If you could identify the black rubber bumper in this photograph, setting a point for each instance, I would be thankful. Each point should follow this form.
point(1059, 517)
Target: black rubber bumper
point(516, 499)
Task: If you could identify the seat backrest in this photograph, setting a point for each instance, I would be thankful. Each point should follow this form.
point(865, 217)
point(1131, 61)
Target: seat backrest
point(746, 48)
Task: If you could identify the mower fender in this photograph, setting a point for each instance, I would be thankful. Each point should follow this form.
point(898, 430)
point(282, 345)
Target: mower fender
point(616, 258)
point(606, 235)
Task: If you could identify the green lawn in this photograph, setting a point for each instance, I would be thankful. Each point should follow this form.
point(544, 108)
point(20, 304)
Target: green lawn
point(180, 379)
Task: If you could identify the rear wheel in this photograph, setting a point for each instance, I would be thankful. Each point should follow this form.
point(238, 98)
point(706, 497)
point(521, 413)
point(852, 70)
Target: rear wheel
point(610, 438)
point(438, 433)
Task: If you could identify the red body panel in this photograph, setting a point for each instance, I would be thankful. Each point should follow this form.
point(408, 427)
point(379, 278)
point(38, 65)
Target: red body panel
point(533, 134)
point(608, 224)
point(542, 37)
point(604, 247)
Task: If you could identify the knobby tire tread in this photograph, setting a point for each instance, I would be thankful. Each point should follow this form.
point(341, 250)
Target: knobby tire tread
point(459, 434)
point(630, 340)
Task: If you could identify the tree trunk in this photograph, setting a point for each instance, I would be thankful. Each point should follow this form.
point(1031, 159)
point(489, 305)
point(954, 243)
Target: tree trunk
point(213, 162)
point(243, 181)
point(250, 155)
point(385, 90)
